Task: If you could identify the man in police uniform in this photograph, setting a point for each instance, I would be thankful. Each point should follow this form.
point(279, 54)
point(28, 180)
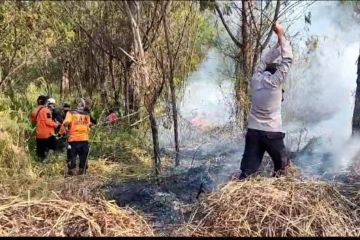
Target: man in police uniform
point(265, 133)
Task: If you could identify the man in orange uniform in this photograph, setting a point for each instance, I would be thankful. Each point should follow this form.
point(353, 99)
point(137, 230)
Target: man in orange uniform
point(45, 132)
point(77, 123)
point(41, 103)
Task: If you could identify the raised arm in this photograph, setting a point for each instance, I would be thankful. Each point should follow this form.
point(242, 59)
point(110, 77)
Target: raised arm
point(283, 68)
point(260, 68)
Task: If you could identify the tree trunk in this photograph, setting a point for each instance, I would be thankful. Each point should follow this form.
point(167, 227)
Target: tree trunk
point(113, 83)
point(175, 119)
point(65, 83)
point(173, 92)
point(356, 115)
point(126, 93)
point(141, 79)
point(244, 67)
point(131, 102)
point(156, 145)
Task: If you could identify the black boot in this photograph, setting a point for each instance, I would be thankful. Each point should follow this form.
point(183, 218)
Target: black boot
point(238, 176)
point(71, 172)
point(81, 171)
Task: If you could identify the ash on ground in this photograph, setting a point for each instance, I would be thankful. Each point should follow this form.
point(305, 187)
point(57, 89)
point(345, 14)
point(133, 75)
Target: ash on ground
point(169, 200)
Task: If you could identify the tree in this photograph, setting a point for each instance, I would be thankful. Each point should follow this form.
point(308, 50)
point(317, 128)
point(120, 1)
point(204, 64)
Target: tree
point(149, 88)
point(255, 31)
point(27, 33)
point(173, 48)
point(356, 114)
point(185, 33)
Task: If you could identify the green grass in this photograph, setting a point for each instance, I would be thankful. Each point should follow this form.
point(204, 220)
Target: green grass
point(116, 153)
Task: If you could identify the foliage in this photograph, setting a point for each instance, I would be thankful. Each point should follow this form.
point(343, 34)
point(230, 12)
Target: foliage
point(90, 45)
point(28, 31)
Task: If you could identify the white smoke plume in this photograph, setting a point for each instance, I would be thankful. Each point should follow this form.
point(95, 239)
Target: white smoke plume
point(320, 92)
point(207, 92)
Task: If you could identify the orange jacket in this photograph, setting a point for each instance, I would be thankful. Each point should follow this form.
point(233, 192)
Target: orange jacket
point(45, 126)
point(35, 112)
point(79, 125)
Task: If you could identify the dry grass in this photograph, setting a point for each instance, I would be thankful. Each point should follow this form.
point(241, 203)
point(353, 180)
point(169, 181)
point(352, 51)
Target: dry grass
point(13, 158)
point(273, 207)
point(36, 199)
point(58, 217)
point(119, 170)
point(68, 207)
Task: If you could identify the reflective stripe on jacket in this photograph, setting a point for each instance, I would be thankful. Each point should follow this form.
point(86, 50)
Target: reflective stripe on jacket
point(79, 125)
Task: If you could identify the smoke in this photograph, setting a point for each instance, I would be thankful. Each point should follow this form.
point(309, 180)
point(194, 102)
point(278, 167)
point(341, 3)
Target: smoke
point(320, 92)
point(208, 93)
point(208, 97)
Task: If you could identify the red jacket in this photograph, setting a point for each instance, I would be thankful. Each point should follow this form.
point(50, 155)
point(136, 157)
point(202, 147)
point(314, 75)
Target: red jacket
point(112, 118)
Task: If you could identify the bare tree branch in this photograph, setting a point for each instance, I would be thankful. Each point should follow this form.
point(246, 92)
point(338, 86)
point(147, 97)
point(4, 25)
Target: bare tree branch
point(217, 8)
point(158, 23)
point(145, 38)
point(254, 20)
point(276, 16)
point(96, 43)
point(13, 71)
point(182, 33)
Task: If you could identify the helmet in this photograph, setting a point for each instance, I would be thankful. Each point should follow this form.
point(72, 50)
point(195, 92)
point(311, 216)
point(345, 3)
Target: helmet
point(51, 101)
point(88, 103)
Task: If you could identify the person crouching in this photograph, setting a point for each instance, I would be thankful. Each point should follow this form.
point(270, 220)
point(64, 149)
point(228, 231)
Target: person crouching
point(77, 123)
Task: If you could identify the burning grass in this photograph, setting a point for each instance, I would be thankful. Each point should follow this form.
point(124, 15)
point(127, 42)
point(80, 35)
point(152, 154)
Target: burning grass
point(273, 207)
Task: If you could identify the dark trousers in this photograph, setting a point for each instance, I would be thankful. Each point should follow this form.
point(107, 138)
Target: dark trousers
point(61, 144)
point(75, 149)
point(43, 146)
point(256, 143)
